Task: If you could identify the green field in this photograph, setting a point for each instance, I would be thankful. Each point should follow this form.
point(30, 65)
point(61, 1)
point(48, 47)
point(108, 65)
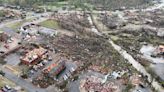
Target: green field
point(53, 24)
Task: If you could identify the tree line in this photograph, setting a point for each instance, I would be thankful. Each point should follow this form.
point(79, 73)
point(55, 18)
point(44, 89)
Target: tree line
point(27, 3)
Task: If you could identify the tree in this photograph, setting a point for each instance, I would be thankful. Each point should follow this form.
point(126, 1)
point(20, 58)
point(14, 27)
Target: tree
point(2, 73)
point(24, 74)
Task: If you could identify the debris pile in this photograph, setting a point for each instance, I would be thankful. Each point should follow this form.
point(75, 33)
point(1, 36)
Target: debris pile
point(9, 14)
point(135, 79)
point(43, 81)
point(93, 84)
point(74, 22)
point(98, 69)
point(112, 21)
point(160, 32)
point(90, 50)
point(118, 4)
point(33, 56)
point(141, 37)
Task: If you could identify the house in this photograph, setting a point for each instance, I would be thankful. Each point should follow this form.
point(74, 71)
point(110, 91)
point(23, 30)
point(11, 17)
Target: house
point(34, 56)
point(55, 69)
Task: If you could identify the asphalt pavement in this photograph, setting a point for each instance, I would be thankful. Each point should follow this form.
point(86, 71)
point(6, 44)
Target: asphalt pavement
point(21, 82)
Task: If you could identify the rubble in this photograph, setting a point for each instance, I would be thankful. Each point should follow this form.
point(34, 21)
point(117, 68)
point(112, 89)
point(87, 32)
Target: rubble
point(74, 22)
point(142, 28)
point(160, 32)
point(135, 79)
point(3, 36)
point(33, 56)
point(9, 43)
point(92, 84)
point(34, 30)
point(84, 49)
point(113, 21)
point(10, 14)
point(160, 49)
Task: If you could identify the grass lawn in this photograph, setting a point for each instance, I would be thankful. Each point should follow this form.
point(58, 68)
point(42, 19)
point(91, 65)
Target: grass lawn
point(50, 24)
point(1, 31)
point(4, 81)
point(16, 25)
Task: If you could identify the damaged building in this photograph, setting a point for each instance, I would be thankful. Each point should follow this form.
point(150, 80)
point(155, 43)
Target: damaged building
point(55, 69)
point(33, 56)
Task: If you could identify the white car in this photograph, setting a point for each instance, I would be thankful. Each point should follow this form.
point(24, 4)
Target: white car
point(72, 69)
point(65, 77)
point(7, 87)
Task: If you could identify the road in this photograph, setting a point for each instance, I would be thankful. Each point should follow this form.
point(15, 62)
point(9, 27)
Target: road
point(3, 24)
point(159, 69)
point(23, 83)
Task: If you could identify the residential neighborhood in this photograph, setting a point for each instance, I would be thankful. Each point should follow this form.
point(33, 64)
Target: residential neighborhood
point(81, 46)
